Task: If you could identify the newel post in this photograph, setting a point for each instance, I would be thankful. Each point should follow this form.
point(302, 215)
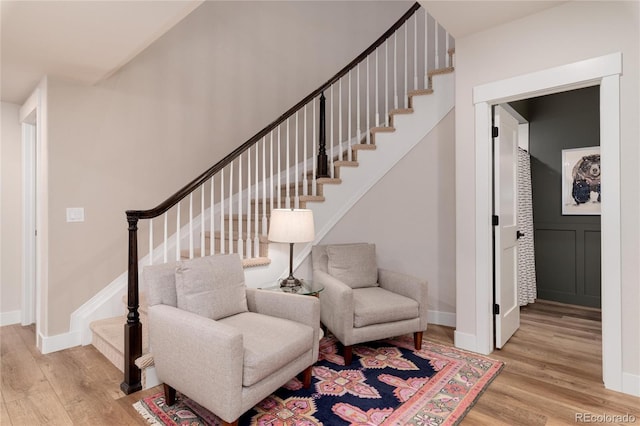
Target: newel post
point(133, 328)
point(323, 171)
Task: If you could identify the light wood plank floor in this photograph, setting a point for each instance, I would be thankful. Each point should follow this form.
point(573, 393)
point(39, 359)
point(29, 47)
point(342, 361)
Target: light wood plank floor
point(553, 371)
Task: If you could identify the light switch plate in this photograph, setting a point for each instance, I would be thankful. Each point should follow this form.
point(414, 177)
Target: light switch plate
point(75, 214)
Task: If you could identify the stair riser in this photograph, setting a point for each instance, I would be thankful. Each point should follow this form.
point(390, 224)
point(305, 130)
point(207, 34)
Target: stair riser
point(234, 221)
point(300, 189)
point(263, 247)
point(283, 205)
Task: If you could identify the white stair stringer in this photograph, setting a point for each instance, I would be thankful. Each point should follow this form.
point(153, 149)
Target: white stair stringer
point(410, 129)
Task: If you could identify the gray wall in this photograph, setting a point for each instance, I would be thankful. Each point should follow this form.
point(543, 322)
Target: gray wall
point(567, 247)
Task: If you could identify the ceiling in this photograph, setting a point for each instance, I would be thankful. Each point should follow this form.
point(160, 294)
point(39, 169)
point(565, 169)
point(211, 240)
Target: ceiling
point(80, 40)
point(462, 18)
point(87, 41)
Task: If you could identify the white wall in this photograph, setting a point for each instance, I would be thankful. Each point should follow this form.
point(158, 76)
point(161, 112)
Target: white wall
point(10, 214)
point(410, 216)
point(218, 77)
point(565, 34)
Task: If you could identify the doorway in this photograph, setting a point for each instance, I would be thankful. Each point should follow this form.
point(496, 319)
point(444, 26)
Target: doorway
point(34, 208)
point(604, 72)
point(558, 248)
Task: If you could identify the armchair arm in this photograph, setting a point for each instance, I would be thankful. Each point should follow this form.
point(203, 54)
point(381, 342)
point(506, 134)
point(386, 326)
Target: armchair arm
point(294, 307)
point(198, 356)
point(336, 305)
point(408, 286)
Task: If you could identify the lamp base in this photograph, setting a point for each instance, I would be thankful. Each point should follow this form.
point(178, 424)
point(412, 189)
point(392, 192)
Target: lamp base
point(290, 282)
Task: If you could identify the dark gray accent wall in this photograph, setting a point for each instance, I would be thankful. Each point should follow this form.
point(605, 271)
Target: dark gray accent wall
point(567, 248)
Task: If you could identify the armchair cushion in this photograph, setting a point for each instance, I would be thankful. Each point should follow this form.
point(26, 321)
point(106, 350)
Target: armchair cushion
point(212, 287)
point(353, 264)
point(375, 305)
point(270, 343)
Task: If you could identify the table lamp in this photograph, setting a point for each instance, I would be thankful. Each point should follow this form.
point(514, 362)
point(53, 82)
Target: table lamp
point(291, 226)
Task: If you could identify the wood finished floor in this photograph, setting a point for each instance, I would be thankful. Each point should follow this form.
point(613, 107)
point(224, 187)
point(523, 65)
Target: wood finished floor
point(553, 371)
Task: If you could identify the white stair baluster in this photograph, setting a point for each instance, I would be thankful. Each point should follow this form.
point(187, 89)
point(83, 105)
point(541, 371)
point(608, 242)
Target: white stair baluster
point(426, 48)
point(305, 171)
point(340, 120)
point(436, 54)
point(349, 117)
point(395, 70)
point(446, 50)
point(331, 130)
point(272, 197)
point(386, 83)
point(151, 241)
point(368, 128)
point(211, 219)
point(264, 184)
point(249, 241)
point(256, 230)
point(406, 72)
point(377, 82)
point(191, 226)
point(240, 250)
point(222, 233)
point(178, 242)
point(230, 239)
point(358, 118)
point(415, 52)
point(165, 254)
point(287, 170)
point(202, 222)
point(314, 152)
point(296, 191)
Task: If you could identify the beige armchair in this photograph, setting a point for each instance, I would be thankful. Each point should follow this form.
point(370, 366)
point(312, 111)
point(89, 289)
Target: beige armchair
point(360, 302)
point(223, 345)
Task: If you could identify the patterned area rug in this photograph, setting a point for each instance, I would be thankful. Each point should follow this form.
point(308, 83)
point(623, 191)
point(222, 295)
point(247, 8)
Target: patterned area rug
point(388, 382)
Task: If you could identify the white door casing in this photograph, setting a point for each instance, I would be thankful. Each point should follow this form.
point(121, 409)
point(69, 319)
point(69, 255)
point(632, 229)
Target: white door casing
point(505, 196)
point(604, 71)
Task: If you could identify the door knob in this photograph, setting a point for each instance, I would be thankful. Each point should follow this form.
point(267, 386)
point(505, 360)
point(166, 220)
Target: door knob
point(519, 234)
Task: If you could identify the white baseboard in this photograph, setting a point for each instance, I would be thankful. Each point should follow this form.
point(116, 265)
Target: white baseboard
point(58, 342)
point(465, 341)
point(631, 384)
point(447, 319)
point(11, 317)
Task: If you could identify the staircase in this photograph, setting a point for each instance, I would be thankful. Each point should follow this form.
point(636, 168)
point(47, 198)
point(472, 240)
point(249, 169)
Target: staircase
point(227, 208)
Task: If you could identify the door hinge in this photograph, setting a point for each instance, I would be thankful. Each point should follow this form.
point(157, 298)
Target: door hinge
point(494, 132)
point(495, 221)
point(496, 309)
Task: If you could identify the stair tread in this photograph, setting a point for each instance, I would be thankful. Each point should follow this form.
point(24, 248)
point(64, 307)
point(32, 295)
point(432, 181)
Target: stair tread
point(111, 330)
point(329, 181)
point(364, 147)
point(382, 129)
point(420, 92)
point(439, 71)
point(401, 111)
point(346, 163)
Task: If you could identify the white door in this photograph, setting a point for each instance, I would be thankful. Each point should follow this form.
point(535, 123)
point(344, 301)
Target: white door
point(507, 310)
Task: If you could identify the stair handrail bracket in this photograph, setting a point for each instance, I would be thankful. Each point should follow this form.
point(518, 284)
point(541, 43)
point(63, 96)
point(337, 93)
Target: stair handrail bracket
point(226, 208)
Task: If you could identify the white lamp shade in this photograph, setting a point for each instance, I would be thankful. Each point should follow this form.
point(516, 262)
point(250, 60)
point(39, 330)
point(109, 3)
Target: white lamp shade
point(291, 226)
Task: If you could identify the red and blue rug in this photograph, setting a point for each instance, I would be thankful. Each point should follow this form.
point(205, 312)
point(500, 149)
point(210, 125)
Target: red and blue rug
point(388, 382)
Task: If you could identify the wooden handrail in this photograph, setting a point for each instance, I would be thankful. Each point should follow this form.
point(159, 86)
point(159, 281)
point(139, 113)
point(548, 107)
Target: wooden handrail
point(197, 182)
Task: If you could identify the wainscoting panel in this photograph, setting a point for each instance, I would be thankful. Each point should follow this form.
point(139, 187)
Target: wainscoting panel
point(568, 263)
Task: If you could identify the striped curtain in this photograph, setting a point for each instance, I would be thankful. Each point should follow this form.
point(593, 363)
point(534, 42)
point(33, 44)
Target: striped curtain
point(526, 257)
